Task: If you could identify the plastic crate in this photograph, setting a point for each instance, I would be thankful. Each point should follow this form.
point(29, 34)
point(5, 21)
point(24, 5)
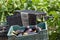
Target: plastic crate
point(3, 35)
point(41, 35)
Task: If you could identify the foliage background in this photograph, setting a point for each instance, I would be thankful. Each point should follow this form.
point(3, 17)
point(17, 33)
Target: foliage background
point(51, 7)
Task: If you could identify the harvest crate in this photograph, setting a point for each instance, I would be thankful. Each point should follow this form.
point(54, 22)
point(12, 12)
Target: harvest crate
point(3, 34)
point(41, 35)
point(25, 18)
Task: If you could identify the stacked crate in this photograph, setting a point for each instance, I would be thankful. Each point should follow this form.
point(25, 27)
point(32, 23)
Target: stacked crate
point(25, 18)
